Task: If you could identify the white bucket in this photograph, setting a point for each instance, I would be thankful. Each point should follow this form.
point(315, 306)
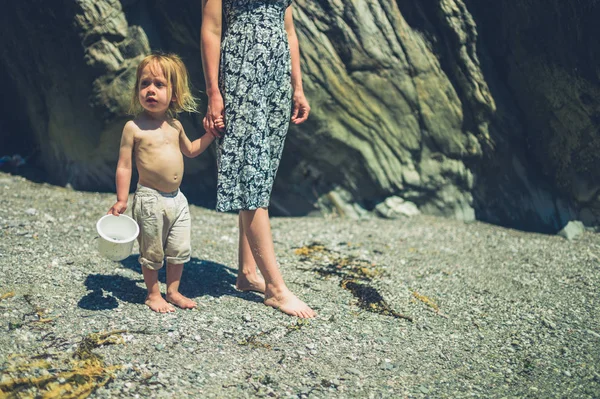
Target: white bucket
point(117, 235)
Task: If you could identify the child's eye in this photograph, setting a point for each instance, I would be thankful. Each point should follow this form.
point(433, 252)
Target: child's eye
point(144, 83)
point(159, 84)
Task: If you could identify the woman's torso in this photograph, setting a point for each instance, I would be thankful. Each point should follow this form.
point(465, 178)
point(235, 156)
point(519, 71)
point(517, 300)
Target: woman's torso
point(262, 14)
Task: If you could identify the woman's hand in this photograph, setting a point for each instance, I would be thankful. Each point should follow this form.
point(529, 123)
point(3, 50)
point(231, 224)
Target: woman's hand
point(300, 109)
point(215, 114)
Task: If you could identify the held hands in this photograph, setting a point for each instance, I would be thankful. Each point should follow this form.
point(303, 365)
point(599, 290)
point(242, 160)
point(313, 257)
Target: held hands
point(300, 109)
point(117, 209)
point(220, 124)
point(214, 122)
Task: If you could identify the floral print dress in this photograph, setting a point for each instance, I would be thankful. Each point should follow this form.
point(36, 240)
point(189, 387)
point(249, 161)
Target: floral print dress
point(255, 81)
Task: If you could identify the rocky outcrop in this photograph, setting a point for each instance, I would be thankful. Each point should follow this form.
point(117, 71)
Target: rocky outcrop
point(457, 106)
point(543, 58)
point(387, 120)
point(69, 70)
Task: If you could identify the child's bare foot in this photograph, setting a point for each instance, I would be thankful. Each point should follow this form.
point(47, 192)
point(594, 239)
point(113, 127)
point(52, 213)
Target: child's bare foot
point(290, 304)
point(158, 304)
point(181, 301)
point(246, 282)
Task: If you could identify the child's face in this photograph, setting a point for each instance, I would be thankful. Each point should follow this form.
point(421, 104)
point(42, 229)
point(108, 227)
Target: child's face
point(154, 92)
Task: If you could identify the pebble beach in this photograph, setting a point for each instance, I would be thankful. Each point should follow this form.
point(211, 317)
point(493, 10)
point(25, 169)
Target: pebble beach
point(420, 307)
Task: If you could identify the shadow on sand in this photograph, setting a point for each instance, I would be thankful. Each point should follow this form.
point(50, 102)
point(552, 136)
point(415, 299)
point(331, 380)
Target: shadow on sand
point(200, 277)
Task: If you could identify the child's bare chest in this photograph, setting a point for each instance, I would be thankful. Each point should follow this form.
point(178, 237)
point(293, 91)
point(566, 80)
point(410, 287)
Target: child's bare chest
point(156, 140)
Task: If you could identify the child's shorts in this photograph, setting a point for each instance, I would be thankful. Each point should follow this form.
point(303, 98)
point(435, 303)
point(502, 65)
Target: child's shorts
point(165, 227)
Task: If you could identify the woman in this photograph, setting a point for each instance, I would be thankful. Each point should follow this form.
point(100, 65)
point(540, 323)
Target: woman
point(251, 62)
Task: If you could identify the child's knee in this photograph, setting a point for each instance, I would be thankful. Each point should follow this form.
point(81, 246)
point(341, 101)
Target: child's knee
point(151, 265)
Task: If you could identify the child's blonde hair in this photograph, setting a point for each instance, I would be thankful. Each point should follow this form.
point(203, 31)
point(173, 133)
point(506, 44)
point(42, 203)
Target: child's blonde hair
point(177, 78)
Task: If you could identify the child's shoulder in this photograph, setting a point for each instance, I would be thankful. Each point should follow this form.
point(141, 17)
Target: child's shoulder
point(132, 125)
point(174, 123)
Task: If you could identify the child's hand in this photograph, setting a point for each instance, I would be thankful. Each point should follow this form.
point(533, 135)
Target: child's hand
point(220, 124)
point(118, 208)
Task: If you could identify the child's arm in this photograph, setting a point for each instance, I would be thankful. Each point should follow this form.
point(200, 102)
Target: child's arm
point(123, 175)
point(194, 148)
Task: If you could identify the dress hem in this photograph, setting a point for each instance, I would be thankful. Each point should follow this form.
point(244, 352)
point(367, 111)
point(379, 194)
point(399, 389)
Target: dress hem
point(249, 208)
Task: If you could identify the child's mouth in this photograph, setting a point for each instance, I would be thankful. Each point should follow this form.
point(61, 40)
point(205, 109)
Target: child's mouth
point(151, 100)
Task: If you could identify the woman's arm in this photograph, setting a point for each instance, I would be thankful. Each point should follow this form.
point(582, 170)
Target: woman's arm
point(210, 46)
point(301, 108)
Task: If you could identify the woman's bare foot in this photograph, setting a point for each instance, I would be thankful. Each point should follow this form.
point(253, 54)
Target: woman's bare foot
point(158, 304)
point(250, 282)
point(181, 301)
point(289, 303)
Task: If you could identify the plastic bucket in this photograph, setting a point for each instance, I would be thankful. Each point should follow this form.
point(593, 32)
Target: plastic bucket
point(117, 235)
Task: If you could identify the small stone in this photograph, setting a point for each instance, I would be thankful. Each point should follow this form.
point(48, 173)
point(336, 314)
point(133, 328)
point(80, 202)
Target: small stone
point(387, 366)
point(247, 318)
point(31, 211)
point(572, 230)
point(49, 218)
point(549, 324)
point(310, 346)
point(396, 207)
point(593, 333)
point(567, 373)
point(159, 347)
point(352, 370)
point(326, 383)
point(423, 389)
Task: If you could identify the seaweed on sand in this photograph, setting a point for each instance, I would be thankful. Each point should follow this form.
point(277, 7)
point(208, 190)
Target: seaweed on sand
point(355, 275)
point(53, 376)
point(370, 299)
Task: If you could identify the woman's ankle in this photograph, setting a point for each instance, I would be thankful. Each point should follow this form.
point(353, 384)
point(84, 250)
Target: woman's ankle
point(276, 290)
point(248, 271)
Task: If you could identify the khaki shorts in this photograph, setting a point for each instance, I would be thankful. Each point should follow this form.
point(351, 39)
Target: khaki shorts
point(165, 227)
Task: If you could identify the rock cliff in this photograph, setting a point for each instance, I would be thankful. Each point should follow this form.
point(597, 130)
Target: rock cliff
point(468, 109)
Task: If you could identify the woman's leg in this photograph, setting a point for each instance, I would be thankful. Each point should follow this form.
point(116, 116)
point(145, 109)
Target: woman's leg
point(258, 231)
point(248, 278)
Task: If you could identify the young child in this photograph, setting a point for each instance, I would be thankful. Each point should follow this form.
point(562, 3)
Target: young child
point(157, 140)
